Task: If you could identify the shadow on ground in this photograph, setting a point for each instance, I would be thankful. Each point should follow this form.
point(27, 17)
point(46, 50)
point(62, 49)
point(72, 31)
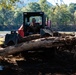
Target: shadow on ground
point(42, 63)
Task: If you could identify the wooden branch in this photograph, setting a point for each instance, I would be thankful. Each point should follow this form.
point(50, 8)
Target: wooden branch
point(35, 44)
point(31, 45)
point(29, 38)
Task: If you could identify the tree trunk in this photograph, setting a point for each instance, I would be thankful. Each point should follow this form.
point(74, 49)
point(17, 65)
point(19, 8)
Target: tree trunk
point(31, 45)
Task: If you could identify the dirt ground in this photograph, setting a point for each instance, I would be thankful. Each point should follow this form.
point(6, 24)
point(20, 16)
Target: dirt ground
point(62, 63)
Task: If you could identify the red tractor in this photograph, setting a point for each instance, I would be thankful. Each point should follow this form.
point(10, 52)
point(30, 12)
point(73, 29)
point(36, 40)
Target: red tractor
point(41, 27)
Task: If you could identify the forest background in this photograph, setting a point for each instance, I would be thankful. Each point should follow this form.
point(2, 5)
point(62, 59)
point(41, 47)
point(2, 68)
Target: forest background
point(62, 16)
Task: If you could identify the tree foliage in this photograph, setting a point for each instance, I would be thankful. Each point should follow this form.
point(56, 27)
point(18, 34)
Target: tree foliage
point(8, 4)
point(62, 17)
point(33, 7)
point(44, 6)
point(72, 7)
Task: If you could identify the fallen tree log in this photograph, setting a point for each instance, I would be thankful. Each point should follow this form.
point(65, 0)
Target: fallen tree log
point(30, 45)
point(46, 42)
point(29, 38)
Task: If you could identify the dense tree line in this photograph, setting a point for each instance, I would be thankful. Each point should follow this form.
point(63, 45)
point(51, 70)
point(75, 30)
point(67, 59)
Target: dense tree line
point(63, 17)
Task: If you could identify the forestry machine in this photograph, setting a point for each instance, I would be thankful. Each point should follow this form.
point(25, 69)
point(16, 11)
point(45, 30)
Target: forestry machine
point(41, 28)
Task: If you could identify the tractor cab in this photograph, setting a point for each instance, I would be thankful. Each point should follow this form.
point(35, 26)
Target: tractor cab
point(28, 18)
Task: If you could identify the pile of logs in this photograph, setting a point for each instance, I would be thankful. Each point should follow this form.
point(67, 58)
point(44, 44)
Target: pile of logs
point(58, 50)
point(33, 42)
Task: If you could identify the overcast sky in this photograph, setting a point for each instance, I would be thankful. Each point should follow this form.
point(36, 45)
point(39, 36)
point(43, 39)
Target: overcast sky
point(65, 1)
